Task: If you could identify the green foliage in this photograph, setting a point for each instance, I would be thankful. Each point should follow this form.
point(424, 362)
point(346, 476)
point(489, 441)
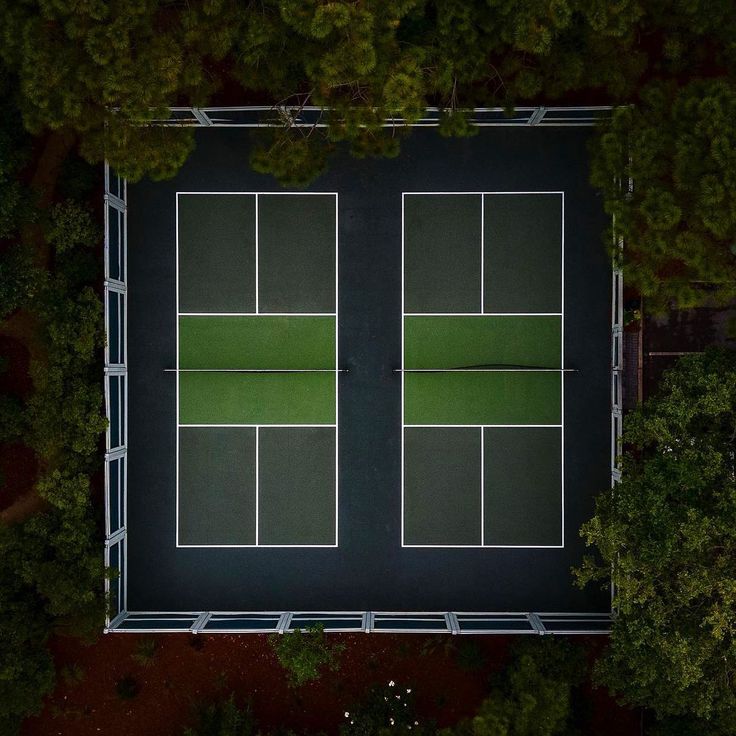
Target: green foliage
point(12, 419)
point(535, 694)
point(304, 653)
point(71, 226)
point(223, 718)
point(20, 280)
point(135, 151)
point(667, 536)
point(294, 160)
point(26, 667)
point(679, 223)
point(145, 651)
point(72, 674)
point(386, 710)
point(15, 198)
point(470, 657)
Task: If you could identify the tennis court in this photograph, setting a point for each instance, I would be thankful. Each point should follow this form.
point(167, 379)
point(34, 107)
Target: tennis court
point(256, 370)
point(482, 372)
point(389, 392)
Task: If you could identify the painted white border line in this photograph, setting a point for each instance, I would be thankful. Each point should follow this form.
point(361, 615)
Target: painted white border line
point(257, 427)
point(483, 546)
point(483, 314)
point(257, 314)
point(403, 374)
point(266, 194)
point(480, 193)
point(482, 427)
point(562, 380)
point(265, 426)
point(485, 426)
point(177, 368)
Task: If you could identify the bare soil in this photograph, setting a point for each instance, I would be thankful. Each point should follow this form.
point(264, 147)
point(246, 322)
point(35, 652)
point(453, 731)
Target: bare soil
point(186, 671)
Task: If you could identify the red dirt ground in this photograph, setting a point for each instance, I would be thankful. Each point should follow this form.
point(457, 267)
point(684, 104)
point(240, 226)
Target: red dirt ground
point(181, 676)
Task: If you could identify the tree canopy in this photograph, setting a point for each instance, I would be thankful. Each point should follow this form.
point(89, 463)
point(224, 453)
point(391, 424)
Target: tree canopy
point(678, 147)
point(92, 67)
point(667, 533)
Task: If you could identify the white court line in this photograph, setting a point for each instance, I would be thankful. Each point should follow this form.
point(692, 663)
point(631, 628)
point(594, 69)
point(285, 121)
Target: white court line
point(258, 479)
point(257, 546)
point(277, 194)
point(482, 427)
point(281, 426)
point(177, 367)
point(482, 488)
point(562, 380)
point(460, 194)
point(482, 253)
point(483, 314)
point(258, 313)
point(483, 546)
point(337, 373)
point(256, 266)
point(403, 320)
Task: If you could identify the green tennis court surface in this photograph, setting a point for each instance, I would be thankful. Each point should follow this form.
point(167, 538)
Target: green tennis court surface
point(482, 385)
point(257, 370)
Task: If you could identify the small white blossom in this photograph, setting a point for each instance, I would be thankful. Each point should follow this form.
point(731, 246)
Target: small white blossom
point(347, 715)
point(408, 690)
point(391, 683)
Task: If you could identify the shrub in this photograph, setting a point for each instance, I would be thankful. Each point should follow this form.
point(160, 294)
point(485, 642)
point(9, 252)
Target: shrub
point(304, 654)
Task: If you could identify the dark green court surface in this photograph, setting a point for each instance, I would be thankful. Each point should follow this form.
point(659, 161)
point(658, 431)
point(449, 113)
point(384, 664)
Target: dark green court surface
point(217, 486)
point(442, 501)
point(523, 252)
point(297, 271)
point(523, 485)
point(442, 253)
point(216, 245)
point(297, 504)
point(389, 392)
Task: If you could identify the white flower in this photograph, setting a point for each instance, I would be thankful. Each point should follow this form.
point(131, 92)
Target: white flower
point(347, 715)
point(391, 721)
point(408, 690)
point(391, 683)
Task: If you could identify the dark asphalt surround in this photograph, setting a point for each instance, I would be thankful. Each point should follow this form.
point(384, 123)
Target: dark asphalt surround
point(369, 570)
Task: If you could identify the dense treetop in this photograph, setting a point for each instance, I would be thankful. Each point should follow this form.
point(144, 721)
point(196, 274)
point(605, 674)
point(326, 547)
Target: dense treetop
point(667, 532)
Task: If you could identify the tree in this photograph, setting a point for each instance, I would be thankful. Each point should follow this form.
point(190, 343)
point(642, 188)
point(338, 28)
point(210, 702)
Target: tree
point(535, 694)
point(679, 222)
point(667, 536)
point(26, 667)
point(304, 654)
